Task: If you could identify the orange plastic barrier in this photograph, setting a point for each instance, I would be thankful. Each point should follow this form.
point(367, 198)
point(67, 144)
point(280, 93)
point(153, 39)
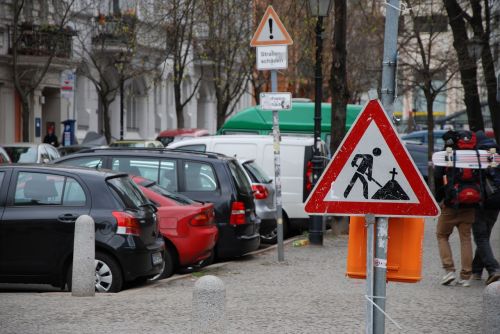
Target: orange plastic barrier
point(404, 249)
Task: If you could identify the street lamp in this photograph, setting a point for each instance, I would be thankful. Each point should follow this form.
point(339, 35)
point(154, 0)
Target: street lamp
point(319, 9)
point(475, 47)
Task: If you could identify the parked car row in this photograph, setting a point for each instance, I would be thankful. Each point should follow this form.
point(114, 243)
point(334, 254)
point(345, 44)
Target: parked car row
point(197, 206)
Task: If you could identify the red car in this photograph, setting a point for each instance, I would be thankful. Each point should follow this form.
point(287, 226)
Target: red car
point(188, 227)
point(168, 136)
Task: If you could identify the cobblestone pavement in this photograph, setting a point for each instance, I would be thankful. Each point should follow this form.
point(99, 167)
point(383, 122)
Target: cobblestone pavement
point(309, 293)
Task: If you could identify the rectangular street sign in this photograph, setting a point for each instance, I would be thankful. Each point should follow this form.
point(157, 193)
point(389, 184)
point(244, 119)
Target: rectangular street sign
point(276, 101)
point(273, 57)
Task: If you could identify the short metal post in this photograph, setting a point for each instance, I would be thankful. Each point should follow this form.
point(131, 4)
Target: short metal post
point(491, 308)
point(209, 306)
point(83, 274)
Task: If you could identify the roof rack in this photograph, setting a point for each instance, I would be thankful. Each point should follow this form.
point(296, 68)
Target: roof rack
point(158, 150)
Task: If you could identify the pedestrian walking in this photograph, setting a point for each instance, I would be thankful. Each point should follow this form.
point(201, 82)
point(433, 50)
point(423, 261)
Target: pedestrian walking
point(454, 214)
point(483, 224)
point(50, 137)
point(483, 256)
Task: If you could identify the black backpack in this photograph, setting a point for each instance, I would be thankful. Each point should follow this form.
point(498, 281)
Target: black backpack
point(463, 186)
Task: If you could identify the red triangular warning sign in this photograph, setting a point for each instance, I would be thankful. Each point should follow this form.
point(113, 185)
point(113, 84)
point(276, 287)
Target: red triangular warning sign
point(271, 31)
point(372, 173)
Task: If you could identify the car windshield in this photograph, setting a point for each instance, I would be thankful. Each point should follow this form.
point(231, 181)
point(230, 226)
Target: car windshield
point(22, 154)
point(164, 192)
point(131, 196)
point(256, 173)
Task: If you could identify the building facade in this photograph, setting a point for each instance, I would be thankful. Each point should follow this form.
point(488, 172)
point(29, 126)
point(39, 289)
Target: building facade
point(69, 49)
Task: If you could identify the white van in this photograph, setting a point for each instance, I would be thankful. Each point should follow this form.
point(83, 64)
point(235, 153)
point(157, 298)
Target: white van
point(296, 165)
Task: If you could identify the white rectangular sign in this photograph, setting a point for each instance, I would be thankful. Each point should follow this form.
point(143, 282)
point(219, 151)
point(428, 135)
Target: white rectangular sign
point(275, 101)
point(273, 57)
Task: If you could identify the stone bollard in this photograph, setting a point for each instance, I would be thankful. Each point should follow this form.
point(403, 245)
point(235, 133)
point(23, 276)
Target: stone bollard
point(83, 276)
point(209, 306)
point(491, 308)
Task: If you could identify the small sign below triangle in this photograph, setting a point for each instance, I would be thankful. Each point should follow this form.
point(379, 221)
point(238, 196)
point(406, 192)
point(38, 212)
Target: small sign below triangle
point(271, 31)
point(372, 173)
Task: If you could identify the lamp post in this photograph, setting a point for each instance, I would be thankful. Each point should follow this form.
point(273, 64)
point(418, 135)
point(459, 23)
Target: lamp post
point(319, 9)
point(120, 63)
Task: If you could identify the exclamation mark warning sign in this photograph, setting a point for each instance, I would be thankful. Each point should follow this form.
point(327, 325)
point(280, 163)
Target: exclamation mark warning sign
point(271, 31)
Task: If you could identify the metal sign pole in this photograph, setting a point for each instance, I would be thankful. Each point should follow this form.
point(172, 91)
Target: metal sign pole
point(387, 92)
point(370, 224)
point(380, 273)
point(277, 169)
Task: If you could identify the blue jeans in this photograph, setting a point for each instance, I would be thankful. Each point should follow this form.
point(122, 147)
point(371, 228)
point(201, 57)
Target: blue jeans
point(481, 230)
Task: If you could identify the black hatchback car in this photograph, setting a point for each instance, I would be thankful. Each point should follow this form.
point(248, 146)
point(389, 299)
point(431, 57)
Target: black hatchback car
point(205, 177)
point(38, 208)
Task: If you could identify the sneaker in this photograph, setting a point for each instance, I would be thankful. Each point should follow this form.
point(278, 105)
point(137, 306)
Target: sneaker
point(448, 278)
point(476, 277)
point(493, 278)
point(463, 282)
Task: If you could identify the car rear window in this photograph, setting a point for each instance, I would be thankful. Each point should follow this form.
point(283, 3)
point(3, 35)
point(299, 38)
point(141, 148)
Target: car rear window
point(240, 178)
point(129, 193)
point(256, 173)
point(22, 154)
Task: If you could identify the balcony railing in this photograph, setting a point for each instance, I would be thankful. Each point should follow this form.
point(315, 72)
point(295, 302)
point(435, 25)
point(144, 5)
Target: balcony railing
point(114, 29)
point(38, 40)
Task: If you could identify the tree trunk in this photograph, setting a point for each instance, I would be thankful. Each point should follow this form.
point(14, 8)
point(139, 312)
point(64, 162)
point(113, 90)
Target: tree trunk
point(338, 82)
point(221, 113)
point(179, 110)
point(467, 66)
point(491, 85)
point(105, 120)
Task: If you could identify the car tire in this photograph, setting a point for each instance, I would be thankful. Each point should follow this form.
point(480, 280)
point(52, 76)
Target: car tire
point(108, 269)
point(109, 276)
point(168, 266)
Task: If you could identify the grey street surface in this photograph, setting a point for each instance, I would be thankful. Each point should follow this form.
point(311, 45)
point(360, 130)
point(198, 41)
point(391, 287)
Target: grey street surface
point(309, 293)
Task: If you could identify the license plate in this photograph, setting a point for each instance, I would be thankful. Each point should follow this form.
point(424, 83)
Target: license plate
point(156, 258)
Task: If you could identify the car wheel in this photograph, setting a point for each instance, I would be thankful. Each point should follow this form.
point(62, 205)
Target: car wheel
point(108, 276)
point(168, 266)
point(271, 237)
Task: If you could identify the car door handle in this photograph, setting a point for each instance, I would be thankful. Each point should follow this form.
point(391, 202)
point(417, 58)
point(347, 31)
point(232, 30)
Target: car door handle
point(67, 218)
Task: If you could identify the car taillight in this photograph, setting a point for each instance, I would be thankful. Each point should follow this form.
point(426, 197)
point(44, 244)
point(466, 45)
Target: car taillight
point(309, 176)
point(126, 224)
point(205, 218)
point(259, 191)
point(237, 213)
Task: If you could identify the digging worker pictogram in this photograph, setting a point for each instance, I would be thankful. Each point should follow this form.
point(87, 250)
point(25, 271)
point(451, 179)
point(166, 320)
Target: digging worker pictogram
point(364, 168)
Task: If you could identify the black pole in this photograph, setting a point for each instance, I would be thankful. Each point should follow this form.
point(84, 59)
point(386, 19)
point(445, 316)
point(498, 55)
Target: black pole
point(316, 222)
point(121, 108)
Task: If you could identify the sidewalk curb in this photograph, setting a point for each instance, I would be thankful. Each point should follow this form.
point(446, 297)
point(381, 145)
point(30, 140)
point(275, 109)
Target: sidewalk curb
point(221, 264)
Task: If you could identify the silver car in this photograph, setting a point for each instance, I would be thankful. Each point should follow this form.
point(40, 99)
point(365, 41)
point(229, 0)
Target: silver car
point(31, 152)
point(263, 189)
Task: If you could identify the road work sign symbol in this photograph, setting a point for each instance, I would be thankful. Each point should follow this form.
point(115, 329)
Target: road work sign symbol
point(271, 31)
point(372, 172)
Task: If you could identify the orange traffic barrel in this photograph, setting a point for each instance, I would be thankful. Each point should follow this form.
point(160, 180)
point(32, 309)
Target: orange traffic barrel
point(404, 249)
